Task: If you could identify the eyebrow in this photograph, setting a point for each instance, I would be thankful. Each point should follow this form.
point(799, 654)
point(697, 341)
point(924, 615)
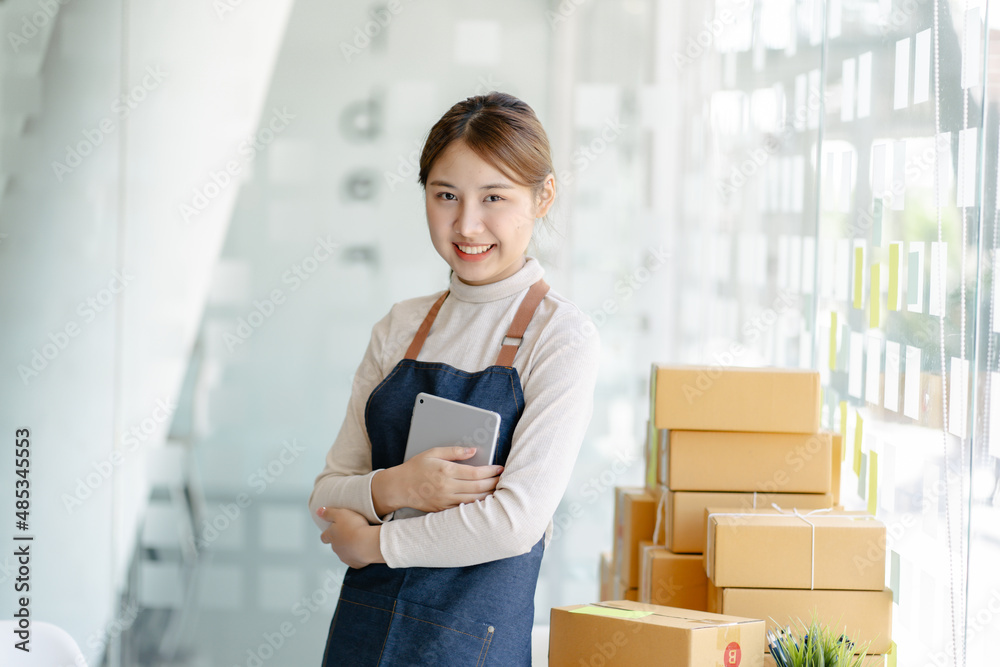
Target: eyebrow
point(491, 186)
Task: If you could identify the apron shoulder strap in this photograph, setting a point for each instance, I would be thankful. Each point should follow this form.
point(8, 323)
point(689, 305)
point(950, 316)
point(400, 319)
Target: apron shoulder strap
point(425, 327)
point(524, 314)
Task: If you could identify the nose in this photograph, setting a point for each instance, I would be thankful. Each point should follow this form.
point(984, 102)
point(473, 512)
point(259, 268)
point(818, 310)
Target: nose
point(468, 223)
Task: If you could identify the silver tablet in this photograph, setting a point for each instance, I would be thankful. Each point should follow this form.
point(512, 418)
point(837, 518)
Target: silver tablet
point(441, 422)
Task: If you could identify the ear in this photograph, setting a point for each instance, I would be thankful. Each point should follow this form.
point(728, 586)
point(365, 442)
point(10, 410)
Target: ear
point(546, 197)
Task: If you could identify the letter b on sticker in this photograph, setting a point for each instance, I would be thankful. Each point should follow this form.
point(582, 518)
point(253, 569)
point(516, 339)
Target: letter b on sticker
point(732, 655)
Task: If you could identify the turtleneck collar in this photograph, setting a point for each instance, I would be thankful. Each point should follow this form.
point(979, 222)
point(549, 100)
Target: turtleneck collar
point(525, 277)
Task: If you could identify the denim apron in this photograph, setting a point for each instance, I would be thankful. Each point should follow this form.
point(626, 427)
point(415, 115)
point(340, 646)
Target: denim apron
point(452, 616)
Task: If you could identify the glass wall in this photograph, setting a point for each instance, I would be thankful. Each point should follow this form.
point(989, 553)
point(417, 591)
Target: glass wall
point(204, 208)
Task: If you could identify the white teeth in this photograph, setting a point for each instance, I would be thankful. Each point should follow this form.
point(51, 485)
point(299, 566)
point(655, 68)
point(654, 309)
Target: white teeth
point(474, 250)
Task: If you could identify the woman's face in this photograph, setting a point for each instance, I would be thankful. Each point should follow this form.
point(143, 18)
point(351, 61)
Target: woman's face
point(480, 221)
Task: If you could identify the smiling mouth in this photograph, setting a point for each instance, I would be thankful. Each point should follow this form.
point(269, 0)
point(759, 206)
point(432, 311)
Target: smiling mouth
point(474, 249)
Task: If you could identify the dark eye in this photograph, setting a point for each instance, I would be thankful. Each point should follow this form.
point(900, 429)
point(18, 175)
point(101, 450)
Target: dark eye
point(446, 195)
point(491, 198)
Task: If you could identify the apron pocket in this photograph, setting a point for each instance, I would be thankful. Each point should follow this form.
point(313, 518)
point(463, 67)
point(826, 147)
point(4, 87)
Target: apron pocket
point(359, 628)
point(420, 636)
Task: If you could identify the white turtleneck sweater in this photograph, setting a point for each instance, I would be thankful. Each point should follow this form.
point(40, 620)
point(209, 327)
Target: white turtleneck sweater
point(557, 362)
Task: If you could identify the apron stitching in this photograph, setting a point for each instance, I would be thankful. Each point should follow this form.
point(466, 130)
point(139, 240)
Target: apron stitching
point(387, 629)
point(362, 604)
point(438, 625)
point(485, 649)
point(377, 389)
point(329, 634)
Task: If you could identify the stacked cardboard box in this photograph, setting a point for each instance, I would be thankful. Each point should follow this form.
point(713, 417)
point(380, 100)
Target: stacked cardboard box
point(789, 567)
point(737, 438)
point(631, 634)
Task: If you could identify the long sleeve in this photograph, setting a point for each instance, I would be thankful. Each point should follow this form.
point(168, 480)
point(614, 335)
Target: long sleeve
point(559, 397)
point(346, 477)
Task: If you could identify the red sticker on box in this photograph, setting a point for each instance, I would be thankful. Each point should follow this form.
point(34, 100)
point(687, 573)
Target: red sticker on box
point(733, 655)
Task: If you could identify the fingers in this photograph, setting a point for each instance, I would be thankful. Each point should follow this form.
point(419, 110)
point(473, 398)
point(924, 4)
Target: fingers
point(475, 472)
point(450, 453)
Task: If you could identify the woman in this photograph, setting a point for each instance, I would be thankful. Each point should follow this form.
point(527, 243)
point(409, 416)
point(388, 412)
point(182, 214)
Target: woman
point(456, 585)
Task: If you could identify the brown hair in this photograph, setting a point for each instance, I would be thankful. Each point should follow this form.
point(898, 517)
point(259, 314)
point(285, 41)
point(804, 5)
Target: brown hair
point(499, 128)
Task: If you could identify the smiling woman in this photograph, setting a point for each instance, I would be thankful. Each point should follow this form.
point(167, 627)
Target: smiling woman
point(456, 585)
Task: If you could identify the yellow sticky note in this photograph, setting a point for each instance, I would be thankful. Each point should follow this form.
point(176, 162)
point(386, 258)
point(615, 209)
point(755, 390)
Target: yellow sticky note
point(833, 340)
point(843, 428)
point(874, 319)
point(872, 481)
point(859, 260)
point(614, 613)
point(892, 654)
point(893, 276)
point(858, 429)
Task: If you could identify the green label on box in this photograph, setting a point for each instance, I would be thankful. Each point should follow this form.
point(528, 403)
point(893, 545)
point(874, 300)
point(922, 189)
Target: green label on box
point(614, 613)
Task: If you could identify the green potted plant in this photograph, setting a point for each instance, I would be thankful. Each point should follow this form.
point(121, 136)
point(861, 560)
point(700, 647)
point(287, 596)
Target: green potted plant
point(814, 645)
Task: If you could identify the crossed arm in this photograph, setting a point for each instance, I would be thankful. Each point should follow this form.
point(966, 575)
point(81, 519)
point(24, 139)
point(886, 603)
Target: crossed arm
point(476, 514)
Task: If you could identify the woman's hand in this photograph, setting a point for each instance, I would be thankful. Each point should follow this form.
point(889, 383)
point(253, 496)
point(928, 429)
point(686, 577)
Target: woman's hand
point(351, 537)
point(433, 481)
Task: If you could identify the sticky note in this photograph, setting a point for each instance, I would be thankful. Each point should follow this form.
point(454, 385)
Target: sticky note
point(848, 89)
point(922, 66)
point(915, 278)
point(863, 476)
point(858, 430)
point(874, 318)
point(843, 428)
point(893, 276)
point(873, 370)
point(833, 340)
point(877, 222)
point(972, 43)
point(892, 654)
point(911, 383)
point(902, 87)
point(872, 481)
point(613, 613)
point(859, 259)
point(857, 361)
point(939, 275)
point(892, 376)
point(957, 401)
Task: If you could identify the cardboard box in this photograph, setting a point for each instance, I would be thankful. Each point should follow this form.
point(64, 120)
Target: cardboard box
point(635, 517)
point(742, 461)
point(869, 661)
point(632, 634)
point(837, 455)
point(672, 580)
point(605, 577)
point(771, 549)
point(655, 441)
point(716, 398)
point(684, 512)
point(621, 591)
point(864, 616)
